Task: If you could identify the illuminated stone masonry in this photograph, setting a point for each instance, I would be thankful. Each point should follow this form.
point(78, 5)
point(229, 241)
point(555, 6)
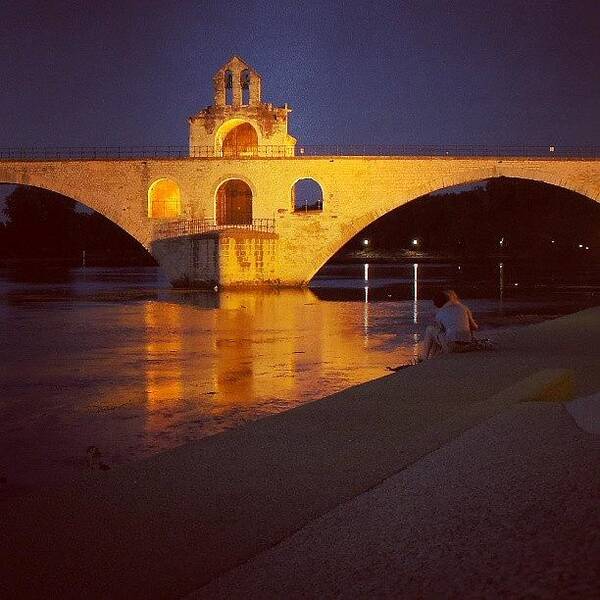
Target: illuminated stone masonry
point(239, 123)
point(242, 214)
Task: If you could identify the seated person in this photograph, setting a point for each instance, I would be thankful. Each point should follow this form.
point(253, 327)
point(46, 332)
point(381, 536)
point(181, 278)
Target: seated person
point(453, 327)
point(453, 297)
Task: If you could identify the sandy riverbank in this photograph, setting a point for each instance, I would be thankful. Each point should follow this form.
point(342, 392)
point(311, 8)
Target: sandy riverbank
point(168, 525)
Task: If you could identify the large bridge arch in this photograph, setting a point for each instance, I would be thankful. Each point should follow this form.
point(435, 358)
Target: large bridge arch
point(25, 193)
point(370, 212)
point(107, 187)
point(58, 190)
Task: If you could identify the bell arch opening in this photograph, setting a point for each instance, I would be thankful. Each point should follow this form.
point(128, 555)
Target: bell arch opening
point(237, 138)
point(164, 199)
point(307, 196)
point(228, 82)
point(245, 85)
point(234, 203)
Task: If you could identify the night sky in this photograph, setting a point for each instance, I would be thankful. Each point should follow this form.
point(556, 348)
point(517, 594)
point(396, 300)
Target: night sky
point(130, 73)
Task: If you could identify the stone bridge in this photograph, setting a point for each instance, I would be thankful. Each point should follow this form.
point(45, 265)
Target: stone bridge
point(355, 191)
point(243, 205)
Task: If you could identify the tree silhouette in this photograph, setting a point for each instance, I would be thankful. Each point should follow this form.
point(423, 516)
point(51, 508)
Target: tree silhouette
point(470, 223)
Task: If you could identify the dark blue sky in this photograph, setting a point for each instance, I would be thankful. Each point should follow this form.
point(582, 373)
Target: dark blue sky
point(128, 72)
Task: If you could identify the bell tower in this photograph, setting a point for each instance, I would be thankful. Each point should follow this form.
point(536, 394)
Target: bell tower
point(239, 124)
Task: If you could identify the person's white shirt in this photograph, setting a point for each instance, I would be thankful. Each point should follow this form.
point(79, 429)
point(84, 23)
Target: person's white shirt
point(455, 319)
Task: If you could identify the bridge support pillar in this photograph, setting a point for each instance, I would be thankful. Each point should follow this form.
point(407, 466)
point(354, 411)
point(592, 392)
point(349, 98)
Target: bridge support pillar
point(230, 258)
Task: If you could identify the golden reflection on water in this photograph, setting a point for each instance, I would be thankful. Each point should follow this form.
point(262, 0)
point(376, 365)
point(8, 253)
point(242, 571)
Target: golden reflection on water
point(255, 350)
point(163, 361)
point(133, 377)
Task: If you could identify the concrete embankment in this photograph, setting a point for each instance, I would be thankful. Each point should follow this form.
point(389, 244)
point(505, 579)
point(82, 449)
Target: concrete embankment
point(166, 526)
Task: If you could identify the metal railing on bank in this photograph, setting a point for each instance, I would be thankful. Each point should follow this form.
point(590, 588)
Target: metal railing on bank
point(182, 227)
point(299, 151)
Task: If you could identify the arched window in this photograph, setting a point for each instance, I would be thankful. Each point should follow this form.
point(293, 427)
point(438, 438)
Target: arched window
point(307, 195)
point(234, 203)
point(228, 87)
point(164, 199)
point(242, 140)
point(245, 84)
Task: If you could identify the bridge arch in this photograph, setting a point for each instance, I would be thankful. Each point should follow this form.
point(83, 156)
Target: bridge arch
point(112, 189)
point(362, 218)
point(42, 195)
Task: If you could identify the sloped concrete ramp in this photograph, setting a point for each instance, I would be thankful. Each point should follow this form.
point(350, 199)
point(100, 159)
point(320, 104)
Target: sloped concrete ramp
point(510, 509)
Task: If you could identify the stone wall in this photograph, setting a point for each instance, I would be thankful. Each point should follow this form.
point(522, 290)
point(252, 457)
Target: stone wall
point(248, 258)
point(190, 260)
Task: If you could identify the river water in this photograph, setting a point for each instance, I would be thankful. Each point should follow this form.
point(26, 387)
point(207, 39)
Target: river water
point(116, 359)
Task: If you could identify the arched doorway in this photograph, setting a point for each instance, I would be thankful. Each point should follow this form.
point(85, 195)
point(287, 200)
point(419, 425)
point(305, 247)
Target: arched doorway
point(242, 140)
point(234, 203)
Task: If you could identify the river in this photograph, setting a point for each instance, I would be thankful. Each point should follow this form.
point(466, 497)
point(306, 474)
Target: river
point(116, 359)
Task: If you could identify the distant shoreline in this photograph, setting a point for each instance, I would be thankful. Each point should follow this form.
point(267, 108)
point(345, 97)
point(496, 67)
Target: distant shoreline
point(409, 256)
point(357, 257)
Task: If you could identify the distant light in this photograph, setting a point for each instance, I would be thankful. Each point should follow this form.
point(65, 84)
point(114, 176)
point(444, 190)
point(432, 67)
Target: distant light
point(415, 242)
point(365, 242)
point(581, 245)
point(554, 241)
point(501, 241)
point(587, 247)
point(459, 267)
point(516, 284)
point(551, 148)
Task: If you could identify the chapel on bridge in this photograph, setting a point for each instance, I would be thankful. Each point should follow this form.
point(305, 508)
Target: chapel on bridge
point(239, 123)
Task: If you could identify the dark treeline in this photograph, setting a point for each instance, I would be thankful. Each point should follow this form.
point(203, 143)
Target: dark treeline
point(526, 215)
point(44, 226)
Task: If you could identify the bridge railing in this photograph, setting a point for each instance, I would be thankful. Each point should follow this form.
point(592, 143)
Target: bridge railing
point(182, 227)
point(266, 151)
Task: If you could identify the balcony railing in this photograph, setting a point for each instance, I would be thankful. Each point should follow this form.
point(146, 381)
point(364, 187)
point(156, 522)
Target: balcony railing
point(299, 151)
point(183, 227)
